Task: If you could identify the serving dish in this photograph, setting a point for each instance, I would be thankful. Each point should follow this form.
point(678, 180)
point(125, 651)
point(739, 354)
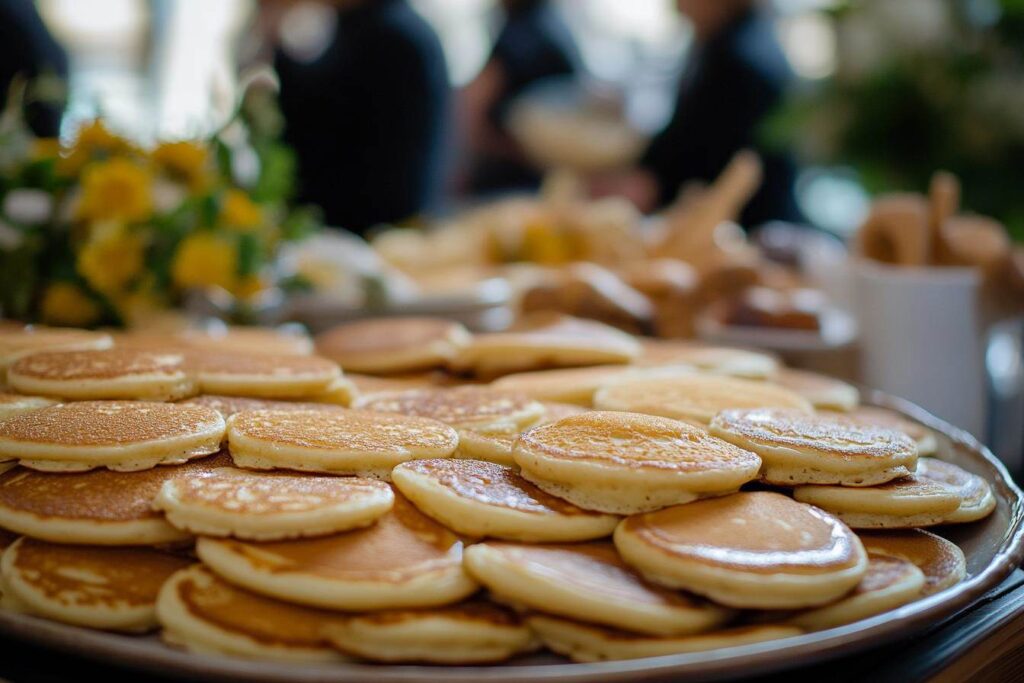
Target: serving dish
point(994, 548)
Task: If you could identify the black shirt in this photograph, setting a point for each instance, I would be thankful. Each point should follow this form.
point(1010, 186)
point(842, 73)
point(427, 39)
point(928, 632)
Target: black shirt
point(27, 48)
point(367, 118)
point(733, 81)
point(534, 44)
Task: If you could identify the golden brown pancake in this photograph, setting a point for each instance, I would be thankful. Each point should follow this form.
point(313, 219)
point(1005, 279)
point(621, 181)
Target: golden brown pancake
point(624, 463)
point(238, 339)
point(497, 448)
point(757, 549)
point(203, 613)
point(405, 559)
point(104, 374)
point(16, 340)
point(714, 359)
point(545, 340)
point(477, 499)
point(590, 643)
point(389, 345)
point(261, 375)
point(99, 507)
point(229, 405)
point(888, 583)
point(474, 632)
point(695, 398)
point(872, 416)
point(942, 561)
point(369, 384)
point(339, 441)
point(124, 435)
point(800, 448)
point(574, 385)
point(13, 404)
point(98, 587)
point(588, 582)
point(270, 505)
point(976, 499)
point(899, 504)
point(822, 391)
point(479, 408)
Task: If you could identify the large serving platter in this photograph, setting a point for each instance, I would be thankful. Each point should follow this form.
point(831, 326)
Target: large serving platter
point(994, 547)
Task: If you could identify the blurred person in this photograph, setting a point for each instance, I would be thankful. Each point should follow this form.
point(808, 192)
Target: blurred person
point(736, 75)
point(28, 49)
point(533, 44)
point(367, 115)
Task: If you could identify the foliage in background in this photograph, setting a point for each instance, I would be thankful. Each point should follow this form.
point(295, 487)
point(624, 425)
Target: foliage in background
point(922, 85)
point(98, 230)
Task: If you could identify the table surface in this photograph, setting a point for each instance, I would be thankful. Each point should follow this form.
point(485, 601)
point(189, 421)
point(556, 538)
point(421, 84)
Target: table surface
point(983, 643)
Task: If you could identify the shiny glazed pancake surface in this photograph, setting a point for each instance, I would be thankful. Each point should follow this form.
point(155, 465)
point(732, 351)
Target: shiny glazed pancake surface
point(100, 507)
point(125, 435)
point(478, 499)
point(942, 561)
point(756, 549)
point(404, 559)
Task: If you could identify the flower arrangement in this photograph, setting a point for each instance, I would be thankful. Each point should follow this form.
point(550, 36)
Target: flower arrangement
point(921, 85)
point(99, 230)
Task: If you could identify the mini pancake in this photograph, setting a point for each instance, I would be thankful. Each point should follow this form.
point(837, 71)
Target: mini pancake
point(899, 504)
point(576, 385)
point(753, 550)
point(105, 588)
point(107, 374)
point(888, 583)
point(545, 340)
point(824, 392)
point(695, 398)
point(497, 448)
point(229, 405)
point(119, 435)
point(941, 561)
point(98, 507)
point(717, 360)
point(976, 499)
point(368, 384)
point(588, 582)
point(17, 340)
point(270, 505)
point(391, 345)
point(404, 560)
point(588, 643)
point(203, 613)
point(872, 416)
point(478, 499)
point(624, 463)
point(261, 375)
point(475, 632)
point(356, 442)
point(481, 409)
point(284, 341)
point(13, 404)
point(798, 448)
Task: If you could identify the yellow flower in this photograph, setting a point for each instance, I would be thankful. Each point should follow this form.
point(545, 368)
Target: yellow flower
point(239, 212)
point(92, 139)
point(248, 286)
point(118, 189)
point(542, 243)
point(187, 161)
point(65, 303)
point(45, 148)
point(111, 259)
point(205, 260)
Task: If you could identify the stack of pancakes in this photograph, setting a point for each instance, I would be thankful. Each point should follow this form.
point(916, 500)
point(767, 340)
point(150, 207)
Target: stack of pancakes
point(612, 499)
